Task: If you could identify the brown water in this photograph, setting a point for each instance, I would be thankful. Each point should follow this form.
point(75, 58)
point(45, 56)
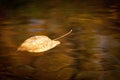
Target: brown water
point(90, 52)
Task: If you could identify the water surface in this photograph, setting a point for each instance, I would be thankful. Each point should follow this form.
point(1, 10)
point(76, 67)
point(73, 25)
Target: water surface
point(90, 52)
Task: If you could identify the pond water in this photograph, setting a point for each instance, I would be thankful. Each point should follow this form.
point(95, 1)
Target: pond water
point(90, 52)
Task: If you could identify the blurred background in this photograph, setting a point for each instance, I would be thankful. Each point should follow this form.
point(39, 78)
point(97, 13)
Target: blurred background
point(90, 52)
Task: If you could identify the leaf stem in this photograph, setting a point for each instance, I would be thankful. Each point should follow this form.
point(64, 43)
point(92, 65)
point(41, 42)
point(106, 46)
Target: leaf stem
point(63, 35)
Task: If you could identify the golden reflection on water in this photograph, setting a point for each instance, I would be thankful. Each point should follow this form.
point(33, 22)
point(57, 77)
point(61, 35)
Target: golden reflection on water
point(91, 52)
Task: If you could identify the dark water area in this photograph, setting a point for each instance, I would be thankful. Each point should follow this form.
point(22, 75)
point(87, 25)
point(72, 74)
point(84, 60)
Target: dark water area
point(90, 52)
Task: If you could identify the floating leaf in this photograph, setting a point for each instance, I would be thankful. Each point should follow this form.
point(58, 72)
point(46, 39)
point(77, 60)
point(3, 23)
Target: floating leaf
point(40, 43)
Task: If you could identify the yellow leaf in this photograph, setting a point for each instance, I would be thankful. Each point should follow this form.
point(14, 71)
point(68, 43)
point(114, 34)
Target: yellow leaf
point(39, 43)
